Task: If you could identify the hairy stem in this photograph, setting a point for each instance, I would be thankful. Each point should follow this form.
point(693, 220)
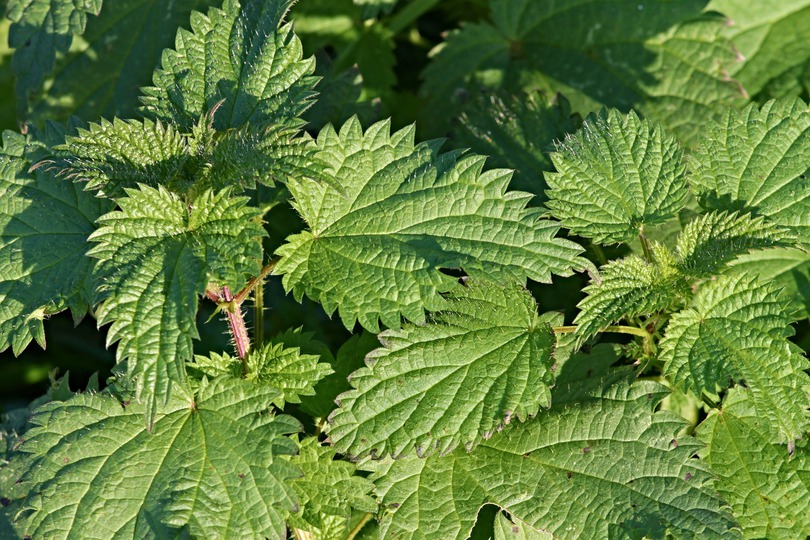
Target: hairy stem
point(236, 323)
point(253, 283)
point(617, 329)
point(645, 246)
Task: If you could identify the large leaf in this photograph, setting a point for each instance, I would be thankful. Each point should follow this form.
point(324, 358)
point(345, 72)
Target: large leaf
point(405, 213)
point(41, 29)
point(156, 255)
point(44, 225)
point(772, 37)
point(616, 176)
point(238, 54)
point(758, 160)
point(517, 132)
point(475, 367)
point(768, 489)
point(737, 330)
point(664, 59)
point(102, 73)
point(210, 466)
point(600, 468)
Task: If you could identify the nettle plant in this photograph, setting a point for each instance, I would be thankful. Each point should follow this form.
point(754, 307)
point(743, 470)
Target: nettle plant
point(469, 396)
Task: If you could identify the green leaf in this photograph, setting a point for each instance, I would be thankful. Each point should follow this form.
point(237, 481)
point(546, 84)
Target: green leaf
point(600, 468)
point(41, 30)
point(350, 358)
point(789, 268)
point(373, 8)
point(737, 330)
point(237, 55)
point(339, 97)
point(329, 488)
point(102, 73)
point(124, 154)
point(156, 255)
point(768, 489)
point(44, 225)
point(757, 160)
point(211, 464)
point(629, 287)
point(517, 132)
point(276, 364)
point(772, 38)
point(407, 212)
point(713, 239)
point(478, 365)
point(665, 60)
point(517, 530)
point(616, 176)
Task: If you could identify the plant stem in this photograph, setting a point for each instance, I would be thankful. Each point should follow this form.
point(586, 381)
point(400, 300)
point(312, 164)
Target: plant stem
point(617, 329)
point(258, 312)
point(357, 528)
point(236, 323)
point(645, 247)
point(266, 270)
point(409, 14)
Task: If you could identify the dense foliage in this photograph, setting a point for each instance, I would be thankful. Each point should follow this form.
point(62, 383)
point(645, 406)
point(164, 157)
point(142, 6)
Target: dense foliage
point(583, 314)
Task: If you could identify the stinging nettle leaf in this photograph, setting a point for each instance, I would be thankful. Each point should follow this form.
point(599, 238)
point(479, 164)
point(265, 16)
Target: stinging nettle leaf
point(41, 29)
point(211, 464)
point(483, 362)
point(616, 176)
point(606, 467)
point(757, 160)
point(767, 488)
point(406, 213)
point(44, 225)
point(156, 255)
point(737, 330)
point(238, 55)
point(628, 287)
point(664, 59)
point(275, 364)
point(329, 489)
point(713, 239)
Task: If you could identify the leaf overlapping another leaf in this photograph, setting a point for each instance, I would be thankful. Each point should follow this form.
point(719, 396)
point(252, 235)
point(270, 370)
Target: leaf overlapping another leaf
point(737, 330)
point(477, 365)
point(605, 467)
point(757, 160)
point(41, 30)
point(768, 489)
point(406, 213)
point(665, 60)
point(156, 255)
point(211, 466)
point(616, 176)
point(239, 54)
point(44, 226)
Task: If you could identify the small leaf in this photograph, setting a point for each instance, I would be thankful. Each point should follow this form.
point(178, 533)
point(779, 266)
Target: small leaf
point(616, 176)
point(483, 362)
point(407, 212)
point(275, 364)
point(211, 464)
point(737, 330)
point(629, 287)
point(768, 489)
point(329, 488)
point(599, 468)
point(758, 160)
point(44, 225)
point(789, 268)
point(715, 238)
point(156, 255)
point(238, 55)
